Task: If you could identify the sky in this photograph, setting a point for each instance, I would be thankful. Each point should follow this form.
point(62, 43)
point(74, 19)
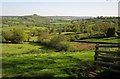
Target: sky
point(60, 7)
point(58, 0)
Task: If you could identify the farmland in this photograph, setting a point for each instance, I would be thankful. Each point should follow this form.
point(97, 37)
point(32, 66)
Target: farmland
point(40, 47)
point(52, 64)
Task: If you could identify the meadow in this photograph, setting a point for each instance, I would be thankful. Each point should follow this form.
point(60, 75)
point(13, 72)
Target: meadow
point(45, 64)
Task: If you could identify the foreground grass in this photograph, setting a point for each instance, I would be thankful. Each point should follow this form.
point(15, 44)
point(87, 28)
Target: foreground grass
point(46, 65)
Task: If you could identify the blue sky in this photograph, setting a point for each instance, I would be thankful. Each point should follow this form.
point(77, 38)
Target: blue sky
point(60, 7)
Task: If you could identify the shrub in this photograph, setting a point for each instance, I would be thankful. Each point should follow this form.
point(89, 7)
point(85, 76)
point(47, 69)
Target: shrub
point(60, 42)
point(3, 40)
point(63, 46)
point(118, 33)
point(72, 38)
point(77, 37)
point(15, 36)
point(19, 36)
point(56, 39)
point(7, 36)
point(110, 32)
point(43, 37)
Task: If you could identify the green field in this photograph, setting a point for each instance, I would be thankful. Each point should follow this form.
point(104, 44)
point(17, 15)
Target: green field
point(27, 48)
point(109, 39)
point(33, 60)
point(12, 49)
point(42, 65)
point(58, 23)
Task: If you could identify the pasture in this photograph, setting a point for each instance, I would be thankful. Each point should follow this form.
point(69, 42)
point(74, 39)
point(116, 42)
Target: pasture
point(45, 65)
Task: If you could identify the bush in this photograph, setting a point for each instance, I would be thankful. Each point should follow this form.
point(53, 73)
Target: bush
point(118, 33)
point(110, 32)
point(7, 36)
point(63, 46)
point(72, 38)
point(14, 36)
point(56, 39)
point(3, 39)
point(43, 37)
point(60, 42)
point(19, 36)
point(77, 37)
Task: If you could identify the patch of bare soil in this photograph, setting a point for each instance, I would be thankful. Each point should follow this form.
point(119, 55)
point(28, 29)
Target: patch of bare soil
point(84, 46)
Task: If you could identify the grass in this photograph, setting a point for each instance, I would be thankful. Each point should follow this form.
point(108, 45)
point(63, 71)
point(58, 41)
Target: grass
point(46, 65)
point(12, 49)
point(34, 38)
point(14, 27)
point(33, 60)
point(19, 61)
point(68, 33)
point(23, 27)
point(109, 39)
point(57, 23)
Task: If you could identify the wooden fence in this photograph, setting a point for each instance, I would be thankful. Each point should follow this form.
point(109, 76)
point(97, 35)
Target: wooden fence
point(107, 56)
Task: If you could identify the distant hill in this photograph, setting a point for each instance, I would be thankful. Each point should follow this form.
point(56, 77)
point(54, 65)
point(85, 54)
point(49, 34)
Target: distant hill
point(67, 17)
point(26, 20)
point(36, 20)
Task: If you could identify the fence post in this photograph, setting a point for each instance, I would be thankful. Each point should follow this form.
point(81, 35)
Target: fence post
point(96, 54)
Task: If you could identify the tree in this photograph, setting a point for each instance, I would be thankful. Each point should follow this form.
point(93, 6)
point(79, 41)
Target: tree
point(102, 26)
point(43, 36)
point(110, 32)
point(14, 36)
point(7, 36)
point(59, 30)
point(19, 36)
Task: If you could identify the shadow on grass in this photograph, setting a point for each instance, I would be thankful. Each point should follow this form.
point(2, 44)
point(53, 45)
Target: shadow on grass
point(49, 77)
point(108, 74)
point(44, 47)
point(34, 43)
point(45, 76)
point(64, 64)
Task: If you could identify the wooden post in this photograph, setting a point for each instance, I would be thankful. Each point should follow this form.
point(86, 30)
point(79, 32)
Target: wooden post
point(96, 54)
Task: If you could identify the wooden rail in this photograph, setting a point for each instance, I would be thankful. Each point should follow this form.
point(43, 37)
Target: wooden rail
point(109, 60)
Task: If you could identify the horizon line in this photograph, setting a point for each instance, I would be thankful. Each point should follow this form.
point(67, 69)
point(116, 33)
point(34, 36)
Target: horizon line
point(65, 15)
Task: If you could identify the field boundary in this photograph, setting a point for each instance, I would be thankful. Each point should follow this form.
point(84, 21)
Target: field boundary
point(107, 59)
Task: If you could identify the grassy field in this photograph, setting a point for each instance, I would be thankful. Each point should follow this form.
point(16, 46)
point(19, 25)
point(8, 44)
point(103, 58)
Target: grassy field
point(33, 60)
point(109, 39)
point(26, 48)
point(14, 27)
point(58, 23)
point(46, 65)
